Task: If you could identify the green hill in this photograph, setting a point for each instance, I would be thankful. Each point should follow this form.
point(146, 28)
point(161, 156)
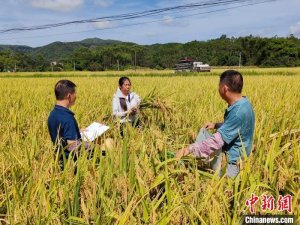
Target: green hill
point(18, 48)
point(61, 50)
point(98, 54)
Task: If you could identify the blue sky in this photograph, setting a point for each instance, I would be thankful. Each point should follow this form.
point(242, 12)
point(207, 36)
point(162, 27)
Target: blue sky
point(268, 19)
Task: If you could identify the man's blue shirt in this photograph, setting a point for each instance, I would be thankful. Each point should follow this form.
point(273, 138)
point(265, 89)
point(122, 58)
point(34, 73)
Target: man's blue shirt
point(62, 126)
point(237, 129)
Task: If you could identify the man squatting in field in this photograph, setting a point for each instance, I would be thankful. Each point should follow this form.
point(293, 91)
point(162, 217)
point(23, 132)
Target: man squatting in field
point(232, 136)
point(62, 125)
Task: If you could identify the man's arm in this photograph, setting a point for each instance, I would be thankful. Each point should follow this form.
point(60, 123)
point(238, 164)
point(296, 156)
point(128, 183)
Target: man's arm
point(75, 144)
point(210, 125)
point(204, 148)
point(218, 125)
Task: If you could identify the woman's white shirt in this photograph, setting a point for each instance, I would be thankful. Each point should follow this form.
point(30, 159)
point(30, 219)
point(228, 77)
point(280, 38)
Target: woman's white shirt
point(132, 100)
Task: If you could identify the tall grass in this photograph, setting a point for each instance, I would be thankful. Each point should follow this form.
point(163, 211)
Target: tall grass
point(136, 182)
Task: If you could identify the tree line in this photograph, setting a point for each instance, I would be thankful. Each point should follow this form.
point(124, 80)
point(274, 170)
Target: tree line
point(223, 51)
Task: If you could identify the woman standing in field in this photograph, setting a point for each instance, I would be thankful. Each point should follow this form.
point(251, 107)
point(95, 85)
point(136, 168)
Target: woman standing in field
point(126, 103)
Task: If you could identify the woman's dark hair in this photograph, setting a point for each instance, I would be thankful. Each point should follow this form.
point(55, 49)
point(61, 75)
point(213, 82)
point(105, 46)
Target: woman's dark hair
point(233, 79)
point(63, 88)
point(122, 80)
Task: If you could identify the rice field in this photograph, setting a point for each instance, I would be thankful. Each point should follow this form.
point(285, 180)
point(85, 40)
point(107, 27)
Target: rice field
point(137, 182)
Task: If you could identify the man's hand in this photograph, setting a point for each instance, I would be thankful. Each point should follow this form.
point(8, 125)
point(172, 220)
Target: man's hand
point(182, 152)
point(209, 125)
point(72, 145)
point(83, 129)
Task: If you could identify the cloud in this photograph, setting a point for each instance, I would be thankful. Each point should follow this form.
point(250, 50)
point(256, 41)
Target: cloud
point(13, 1)
point(102, 24)
point(151, 34)
point(170, 21)
point(57, 5)
point(295, 29)
point(104, 3)
point(168, 3)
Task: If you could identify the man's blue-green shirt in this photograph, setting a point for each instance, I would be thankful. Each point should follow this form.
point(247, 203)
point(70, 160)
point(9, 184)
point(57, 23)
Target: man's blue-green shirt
point(62, 126)
point(237, 129)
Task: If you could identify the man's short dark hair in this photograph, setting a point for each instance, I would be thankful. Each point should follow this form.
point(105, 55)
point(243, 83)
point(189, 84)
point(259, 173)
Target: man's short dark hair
point(63, 88)
point(233, 79)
